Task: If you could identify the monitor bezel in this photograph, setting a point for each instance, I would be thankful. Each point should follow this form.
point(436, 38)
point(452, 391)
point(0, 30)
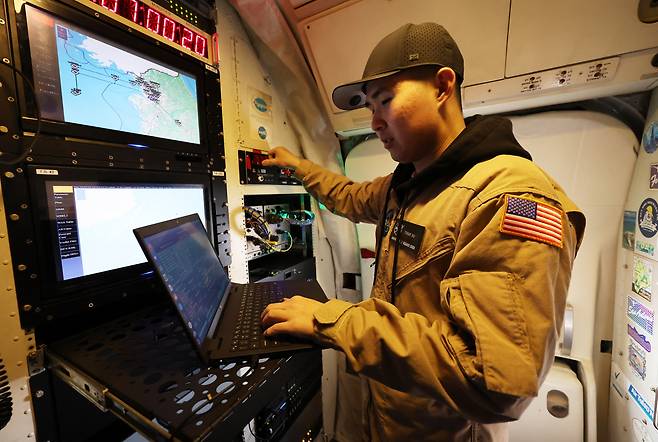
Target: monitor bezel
point(142, 234)
point(46, 234)
point(149, 49)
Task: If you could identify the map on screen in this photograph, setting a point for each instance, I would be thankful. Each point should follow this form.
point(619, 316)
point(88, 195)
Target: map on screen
point(108, 87)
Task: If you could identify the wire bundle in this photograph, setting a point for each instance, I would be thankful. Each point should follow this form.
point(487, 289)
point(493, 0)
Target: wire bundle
point(261, 232)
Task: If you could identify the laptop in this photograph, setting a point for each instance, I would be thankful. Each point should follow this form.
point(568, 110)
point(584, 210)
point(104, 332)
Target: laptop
point(222, 318)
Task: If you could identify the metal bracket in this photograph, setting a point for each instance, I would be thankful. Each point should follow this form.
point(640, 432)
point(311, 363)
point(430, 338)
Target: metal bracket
point(82, 383)
point(567, 330)
point(105, 401)
point(136, 420)
point(36, 360)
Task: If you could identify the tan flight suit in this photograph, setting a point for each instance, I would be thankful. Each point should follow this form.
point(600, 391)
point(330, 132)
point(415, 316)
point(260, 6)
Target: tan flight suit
point(477, 312)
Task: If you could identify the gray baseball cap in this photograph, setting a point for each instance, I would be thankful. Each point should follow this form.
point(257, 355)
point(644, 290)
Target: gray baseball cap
point(409, 46)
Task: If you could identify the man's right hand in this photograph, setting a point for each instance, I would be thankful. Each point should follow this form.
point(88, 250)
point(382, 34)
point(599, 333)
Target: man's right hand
point(282, 157)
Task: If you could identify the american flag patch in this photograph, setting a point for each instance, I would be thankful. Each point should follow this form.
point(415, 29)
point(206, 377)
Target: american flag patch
point(531, 219)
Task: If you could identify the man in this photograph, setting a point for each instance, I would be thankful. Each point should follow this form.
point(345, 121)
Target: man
point(474, 254)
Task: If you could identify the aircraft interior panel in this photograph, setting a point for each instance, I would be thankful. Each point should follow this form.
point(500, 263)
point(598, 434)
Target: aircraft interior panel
point(120, 115)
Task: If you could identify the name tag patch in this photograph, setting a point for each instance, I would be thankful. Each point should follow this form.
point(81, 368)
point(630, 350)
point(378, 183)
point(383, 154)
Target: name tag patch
point(411, 236)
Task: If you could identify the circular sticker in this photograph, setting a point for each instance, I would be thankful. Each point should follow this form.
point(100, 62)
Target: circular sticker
point(262, 132)
point(647, 217)
point(650, 138)
point(387, 221)
point(260, 104)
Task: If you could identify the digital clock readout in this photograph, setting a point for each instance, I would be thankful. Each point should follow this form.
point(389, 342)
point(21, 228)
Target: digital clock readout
point(155, 21)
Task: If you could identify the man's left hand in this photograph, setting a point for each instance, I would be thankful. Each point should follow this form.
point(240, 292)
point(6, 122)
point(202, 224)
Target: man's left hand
point(293, 316)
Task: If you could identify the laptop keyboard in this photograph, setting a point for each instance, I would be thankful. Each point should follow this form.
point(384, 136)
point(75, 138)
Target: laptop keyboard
point(248, 334)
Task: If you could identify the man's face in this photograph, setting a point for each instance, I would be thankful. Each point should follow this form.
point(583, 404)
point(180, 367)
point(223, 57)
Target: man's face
point(405, 116)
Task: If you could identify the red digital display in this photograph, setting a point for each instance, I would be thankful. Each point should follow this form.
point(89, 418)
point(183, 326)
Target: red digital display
point(158, 23)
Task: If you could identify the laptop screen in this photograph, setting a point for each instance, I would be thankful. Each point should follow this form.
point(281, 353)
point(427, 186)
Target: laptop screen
point(191, 271)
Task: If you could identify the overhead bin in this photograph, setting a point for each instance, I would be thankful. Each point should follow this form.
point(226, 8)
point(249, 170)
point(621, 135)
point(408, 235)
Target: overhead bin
point(517, 55)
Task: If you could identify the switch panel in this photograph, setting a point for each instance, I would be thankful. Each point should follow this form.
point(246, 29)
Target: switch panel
point(252, 170)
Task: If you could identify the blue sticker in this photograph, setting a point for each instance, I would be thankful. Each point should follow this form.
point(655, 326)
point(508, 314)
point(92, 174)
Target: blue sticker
point(262, 132)
point(647, 217)
point(260, 104)
point(650, 138)
point(644, 247)
point(640, 402)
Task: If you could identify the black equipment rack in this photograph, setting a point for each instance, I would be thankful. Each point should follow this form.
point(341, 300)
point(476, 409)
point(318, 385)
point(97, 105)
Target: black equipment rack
point(142, 368)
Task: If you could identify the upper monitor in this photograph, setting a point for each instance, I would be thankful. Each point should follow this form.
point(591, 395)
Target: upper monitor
point(82, 78)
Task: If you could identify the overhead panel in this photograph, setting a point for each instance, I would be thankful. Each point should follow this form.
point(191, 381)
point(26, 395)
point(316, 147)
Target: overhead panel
point(544, 35)
point(338, 41)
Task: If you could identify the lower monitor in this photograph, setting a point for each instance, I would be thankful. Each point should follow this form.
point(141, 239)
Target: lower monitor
point(94, 221)
point(86, 218)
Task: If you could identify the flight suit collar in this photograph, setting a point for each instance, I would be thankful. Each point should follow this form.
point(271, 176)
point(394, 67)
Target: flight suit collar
point(484, 137)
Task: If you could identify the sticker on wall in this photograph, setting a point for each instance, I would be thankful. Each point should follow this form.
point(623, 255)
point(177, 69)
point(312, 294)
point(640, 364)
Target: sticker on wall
point(650, 138)
point(640, 314)
point(637, 360)
point(260, 118)
point(639, 338)
point(628, 235)
point(647, 218)
point(617, 379)
point(645, 248)
point(641, 278)
point(653, 176)
point(639, 400)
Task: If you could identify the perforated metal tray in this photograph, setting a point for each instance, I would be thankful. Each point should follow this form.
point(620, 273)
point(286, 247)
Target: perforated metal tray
point(143, 368)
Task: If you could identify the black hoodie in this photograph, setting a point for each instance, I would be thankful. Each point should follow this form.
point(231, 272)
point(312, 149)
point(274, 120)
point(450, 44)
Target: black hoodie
point(483, 138)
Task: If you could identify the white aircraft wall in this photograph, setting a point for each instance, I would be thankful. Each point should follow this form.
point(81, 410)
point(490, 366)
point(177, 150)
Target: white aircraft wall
point(633, 375)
